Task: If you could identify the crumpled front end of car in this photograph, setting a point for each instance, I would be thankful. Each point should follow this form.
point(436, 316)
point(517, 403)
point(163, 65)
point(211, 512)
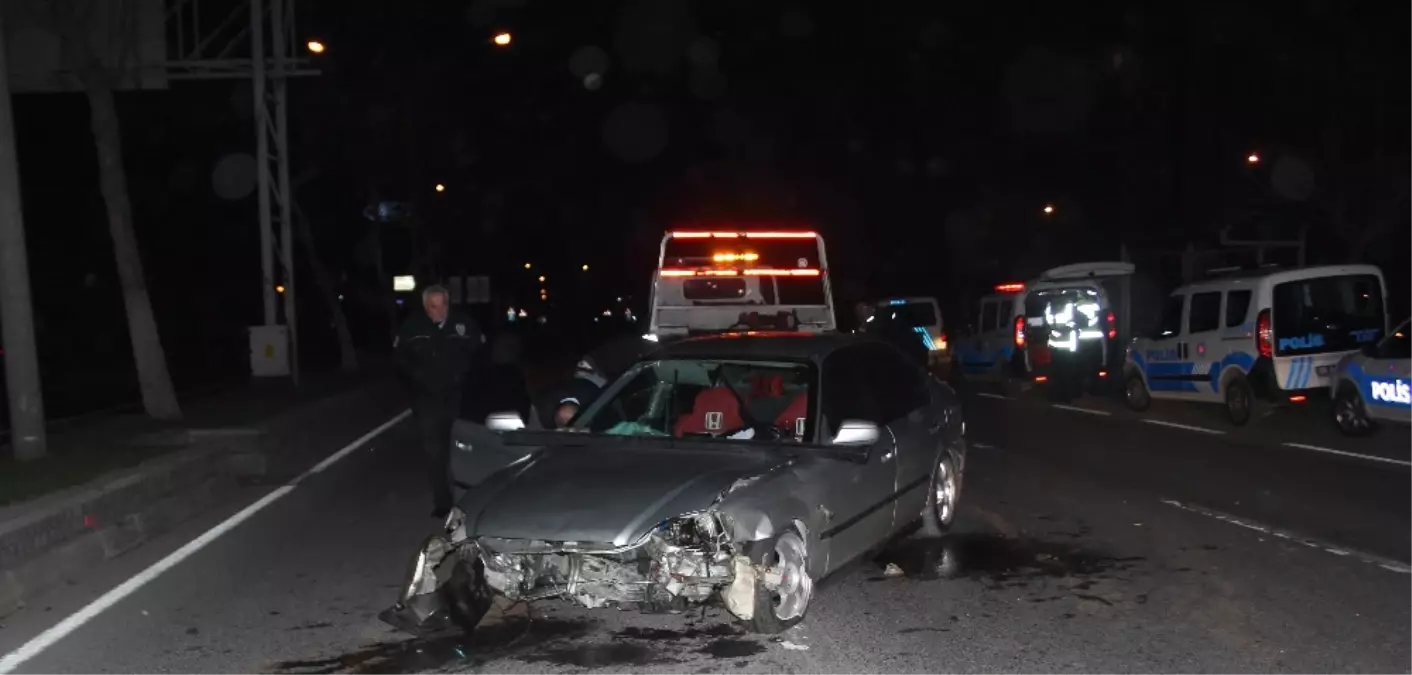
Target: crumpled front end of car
point(682, 561)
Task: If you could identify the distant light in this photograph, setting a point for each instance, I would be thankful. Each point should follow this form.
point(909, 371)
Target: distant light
point(1252, 158)
point(585, 268)
point(1048, 209)
point(527, 265)
point(279, 288)
point(315, 47)
point(440, 187)
point(541, 278)
point(404, 283)
point(502, 39)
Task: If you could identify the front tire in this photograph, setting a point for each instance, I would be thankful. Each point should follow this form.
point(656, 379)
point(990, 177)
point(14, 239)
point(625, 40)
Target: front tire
point(1350, 413)
point(779, 609)
point(1135, 393)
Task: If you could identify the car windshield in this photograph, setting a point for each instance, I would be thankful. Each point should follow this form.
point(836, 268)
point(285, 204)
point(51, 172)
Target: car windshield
point(740, 400)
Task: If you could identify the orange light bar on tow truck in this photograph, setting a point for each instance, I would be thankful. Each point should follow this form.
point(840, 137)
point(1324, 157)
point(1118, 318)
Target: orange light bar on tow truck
point(763, 272)
point(1010, 288)
point(745, 235)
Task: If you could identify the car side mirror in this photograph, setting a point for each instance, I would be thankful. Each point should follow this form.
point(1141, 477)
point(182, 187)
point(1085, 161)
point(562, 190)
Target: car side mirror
point(856, 433)
point(504, 421)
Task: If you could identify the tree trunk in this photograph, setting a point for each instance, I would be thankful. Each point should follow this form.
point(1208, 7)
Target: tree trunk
point(347, 354)
point(158, 397)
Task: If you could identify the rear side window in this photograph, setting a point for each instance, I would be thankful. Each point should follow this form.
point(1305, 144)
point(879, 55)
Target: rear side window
point(1205, 312)
point(1237, 305)
point(1327, 314)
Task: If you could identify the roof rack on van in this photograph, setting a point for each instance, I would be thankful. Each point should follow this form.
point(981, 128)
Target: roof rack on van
point(1242, 270)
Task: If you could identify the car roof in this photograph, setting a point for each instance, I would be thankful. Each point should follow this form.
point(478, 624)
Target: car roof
point(764, 345)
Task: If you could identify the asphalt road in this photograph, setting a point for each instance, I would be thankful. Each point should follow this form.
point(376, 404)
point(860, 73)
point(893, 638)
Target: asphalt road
point(1085, 543)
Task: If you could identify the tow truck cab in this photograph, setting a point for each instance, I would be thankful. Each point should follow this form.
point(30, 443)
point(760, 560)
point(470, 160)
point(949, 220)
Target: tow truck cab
point(716, 279)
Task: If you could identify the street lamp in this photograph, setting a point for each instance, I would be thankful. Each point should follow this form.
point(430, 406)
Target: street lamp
point(1048, 209)
point(541, 279)
point(315, 47)
point(527, 265)
point(502, 39)
point(440, 187)
point(1252, 158)
point(585, 268)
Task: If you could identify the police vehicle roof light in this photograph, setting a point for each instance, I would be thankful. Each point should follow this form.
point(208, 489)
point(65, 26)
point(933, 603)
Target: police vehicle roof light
point(1010, 288)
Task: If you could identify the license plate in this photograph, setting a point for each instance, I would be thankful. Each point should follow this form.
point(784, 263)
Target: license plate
point(1324, 371)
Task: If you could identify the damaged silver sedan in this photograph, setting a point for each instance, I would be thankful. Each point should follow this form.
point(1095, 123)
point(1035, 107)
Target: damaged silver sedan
point(742, 468)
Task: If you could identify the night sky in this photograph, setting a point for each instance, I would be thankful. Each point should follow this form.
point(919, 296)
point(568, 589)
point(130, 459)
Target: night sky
point(922, 139)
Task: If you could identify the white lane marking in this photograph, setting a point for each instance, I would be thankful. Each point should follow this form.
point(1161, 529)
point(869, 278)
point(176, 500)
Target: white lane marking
point(1188, 427)
point(1331, 451)
point(1385, 563)
point(73, 622)
point(990, 395)
point(1075, 408)
point(983, 446)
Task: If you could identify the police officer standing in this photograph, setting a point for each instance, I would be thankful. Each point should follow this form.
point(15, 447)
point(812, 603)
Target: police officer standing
point(433, 354)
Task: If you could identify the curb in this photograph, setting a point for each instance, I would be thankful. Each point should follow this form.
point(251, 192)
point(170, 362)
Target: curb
point(84, 526)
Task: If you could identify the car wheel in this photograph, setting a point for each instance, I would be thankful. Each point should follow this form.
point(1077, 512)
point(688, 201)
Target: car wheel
point(1135, 393)
point(1240, 401)
point(780, 608)
point(943, 492)
point(1350, 414)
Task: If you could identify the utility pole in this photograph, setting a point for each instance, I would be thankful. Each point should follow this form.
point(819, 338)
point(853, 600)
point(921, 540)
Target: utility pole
point(27, 433)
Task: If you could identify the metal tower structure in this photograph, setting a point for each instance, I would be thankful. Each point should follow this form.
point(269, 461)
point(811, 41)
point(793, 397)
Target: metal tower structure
point(253, 39)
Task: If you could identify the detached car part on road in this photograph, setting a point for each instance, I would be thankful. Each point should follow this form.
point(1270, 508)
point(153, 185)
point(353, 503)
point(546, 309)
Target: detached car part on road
point(743, 467)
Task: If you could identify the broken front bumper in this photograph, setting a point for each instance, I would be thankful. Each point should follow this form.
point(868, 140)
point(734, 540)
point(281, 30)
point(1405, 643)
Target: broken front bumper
point(453, 584)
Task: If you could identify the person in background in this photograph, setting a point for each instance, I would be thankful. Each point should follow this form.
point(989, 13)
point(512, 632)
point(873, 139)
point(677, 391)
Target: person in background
point(433, 352)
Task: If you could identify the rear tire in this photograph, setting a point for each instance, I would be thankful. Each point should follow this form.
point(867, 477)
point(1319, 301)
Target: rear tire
point(943, 492)
point(1240, 401)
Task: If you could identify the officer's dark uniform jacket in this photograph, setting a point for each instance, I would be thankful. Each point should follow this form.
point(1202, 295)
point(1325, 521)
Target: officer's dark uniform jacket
point(434, 359)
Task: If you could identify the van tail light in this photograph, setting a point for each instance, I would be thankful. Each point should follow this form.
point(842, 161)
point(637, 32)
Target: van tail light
point(1019, 332)
point(941, 343)
point(1263, 342)
point(1112, 326)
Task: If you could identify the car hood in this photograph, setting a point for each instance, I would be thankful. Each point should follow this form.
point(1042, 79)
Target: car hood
point(602, 494)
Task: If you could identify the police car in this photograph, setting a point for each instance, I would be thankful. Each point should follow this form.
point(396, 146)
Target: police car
point(1374, 385)
point(1083, 307)
point(1249, 336)
point(923, 314)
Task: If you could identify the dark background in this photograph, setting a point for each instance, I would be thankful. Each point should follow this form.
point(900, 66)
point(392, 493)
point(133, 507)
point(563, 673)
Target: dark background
point(922, 139)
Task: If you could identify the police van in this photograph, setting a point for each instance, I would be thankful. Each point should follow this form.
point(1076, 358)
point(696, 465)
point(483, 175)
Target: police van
point(924, 315)
point(1247, 337)
point(1375, 384)
point(713, 280)
point(1083, 308)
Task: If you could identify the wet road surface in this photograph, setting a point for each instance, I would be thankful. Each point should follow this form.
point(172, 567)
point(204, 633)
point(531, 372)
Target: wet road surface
point(1084, 544)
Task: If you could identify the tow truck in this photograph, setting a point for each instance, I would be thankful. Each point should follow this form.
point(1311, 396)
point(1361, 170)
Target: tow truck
point(711, 280)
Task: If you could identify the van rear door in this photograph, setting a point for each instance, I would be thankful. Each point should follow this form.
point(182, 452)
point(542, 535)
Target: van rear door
point(1323, 315)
